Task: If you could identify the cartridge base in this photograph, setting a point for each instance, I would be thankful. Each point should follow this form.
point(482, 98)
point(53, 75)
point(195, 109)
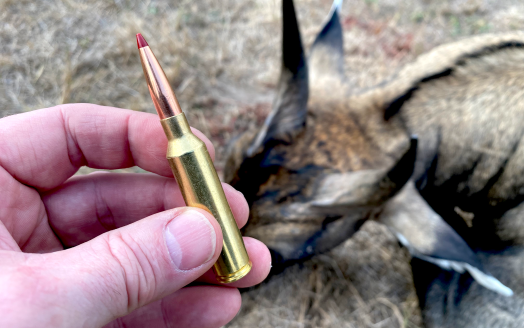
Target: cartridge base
point(236, 275)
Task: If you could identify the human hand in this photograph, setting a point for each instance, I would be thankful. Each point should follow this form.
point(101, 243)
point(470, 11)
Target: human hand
point(125, 264)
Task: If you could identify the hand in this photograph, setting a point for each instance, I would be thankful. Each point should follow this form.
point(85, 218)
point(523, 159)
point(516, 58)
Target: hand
point(124, 263)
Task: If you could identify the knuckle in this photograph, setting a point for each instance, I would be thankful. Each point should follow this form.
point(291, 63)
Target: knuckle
point(133, 270)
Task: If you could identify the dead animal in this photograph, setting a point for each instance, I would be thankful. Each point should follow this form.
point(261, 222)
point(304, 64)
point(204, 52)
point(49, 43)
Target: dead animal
point(437, 142)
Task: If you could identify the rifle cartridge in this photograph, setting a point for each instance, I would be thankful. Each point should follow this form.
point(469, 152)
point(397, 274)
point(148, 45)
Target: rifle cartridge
point(194, 170)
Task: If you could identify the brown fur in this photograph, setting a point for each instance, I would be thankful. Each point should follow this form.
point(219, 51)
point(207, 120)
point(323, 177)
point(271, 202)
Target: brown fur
point(465, 101)
point(348, 133)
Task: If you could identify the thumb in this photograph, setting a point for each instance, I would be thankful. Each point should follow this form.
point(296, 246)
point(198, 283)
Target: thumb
point(126, 268)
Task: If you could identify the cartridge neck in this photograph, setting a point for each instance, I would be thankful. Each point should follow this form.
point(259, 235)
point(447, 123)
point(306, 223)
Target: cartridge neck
point(176, 126)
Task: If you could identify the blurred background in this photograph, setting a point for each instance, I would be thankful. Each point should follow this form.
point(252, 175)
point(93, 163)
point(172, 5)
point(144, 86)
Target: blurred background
point(222, 59)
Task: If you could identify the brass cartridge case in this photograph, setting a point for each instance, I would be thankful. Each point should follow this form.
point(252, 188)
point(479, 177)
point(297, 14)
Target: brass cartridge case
point(194, 171)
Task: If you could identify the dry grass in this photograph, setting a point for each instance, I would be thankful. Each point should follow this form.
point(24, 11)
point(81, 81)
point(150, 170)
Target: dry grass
point(222, 58)
point(366, 282)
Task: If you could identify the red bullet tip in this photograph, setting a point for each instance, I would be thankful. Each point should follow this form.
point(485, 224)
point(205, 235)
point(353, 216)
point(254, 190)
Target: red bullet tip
point(140, 41)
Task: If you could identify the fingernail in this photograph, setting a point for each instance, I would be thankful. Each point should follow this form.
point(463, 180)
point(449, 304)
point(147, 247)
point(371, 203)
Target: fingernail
point(190, 240)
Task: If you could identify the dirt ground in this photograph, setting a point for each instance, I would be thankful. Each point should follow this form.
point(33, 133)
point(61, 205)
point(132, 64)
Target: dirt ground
point(222, 58)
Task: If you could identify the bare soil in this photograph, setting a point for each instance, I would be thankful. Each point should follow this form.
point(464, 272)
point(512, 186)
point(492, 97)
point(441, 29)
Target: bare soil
point(222, 58)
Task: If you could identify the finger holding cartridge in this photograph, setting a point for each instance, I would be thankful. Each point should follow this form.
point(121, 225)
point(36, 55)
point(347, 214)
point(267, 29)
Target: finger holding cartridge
point(261, 258)
point(127, 198)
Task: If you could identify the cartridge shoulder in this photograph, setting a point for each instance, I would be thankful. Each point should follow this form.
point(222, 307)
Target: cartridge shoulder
point(185, 144)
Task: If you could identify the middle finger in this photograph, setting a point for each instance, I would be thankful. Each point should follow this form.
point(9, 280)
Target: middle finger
point(87, 206)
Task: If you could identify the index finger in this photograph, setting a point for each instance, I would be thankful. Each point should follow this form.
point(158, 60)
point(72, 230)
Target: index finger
point(44, 148)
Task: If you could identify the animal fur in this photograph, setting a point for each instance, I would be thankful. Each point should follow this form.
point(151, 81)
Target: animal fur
point(326, 160)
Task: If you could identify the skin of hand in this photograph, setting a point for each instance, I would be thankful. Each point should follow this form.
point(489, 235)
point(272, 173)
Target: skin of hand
point(106, 249)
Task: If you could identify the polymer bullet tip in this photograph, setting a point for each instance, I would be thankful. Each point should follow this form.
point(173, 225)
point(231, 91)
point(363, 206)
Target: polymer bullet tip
point(140, 41)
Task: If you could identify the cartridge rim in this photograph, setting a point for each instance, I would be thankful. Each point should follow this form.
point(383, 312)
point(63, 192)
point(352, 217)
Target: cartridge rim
point(236, 275)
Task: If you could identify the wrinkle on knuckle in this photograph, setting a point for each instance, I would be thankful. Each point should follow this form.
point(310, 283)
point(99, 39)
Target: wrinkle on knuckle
point(135, 270)
point(104, 213)
point(74, 152)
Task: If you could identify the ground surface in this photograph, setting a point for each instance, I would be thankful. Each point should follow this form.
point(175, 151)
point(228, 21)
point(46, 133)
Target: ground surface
point(222, 58)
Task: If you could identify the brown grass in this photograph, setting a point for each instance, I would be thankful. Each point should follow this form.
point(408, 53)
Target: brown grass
point(222, 58)
point(366, 282)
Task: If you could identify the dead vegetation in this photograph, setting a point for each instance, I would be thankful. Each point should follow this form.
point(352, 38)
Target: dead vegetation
point(366, 282)
point(222, 58)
